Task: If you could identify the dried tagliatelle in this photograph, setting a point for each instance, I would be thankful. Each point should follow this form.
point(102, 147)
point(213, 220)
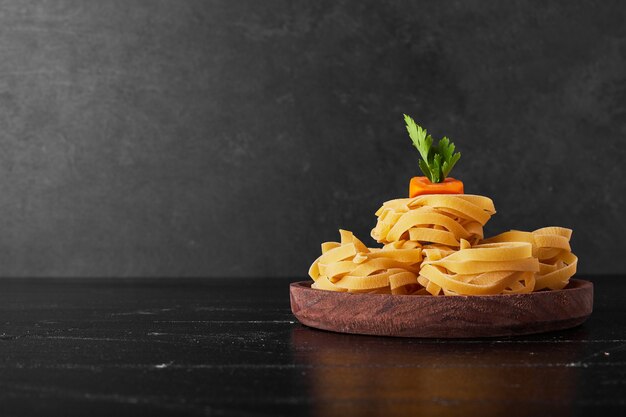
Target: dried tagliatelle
point(557, 263)
point(433, 242)
point(351, 266)
point(491, 268)
point(434, 219)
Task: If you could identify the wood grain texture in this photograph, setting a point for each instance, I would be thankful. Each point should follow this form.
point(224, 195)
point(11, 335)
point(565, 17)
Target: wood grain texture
point(443, 317)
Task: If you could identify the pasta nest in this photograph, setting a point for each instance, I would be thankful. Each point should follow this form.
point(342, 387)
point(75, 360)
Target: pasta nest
point(433, 244)
point(349, 265)
point(435, 219)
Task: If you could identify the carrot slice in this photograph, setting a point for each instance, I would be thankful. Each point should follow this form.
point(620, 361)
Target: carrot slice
point(422, 185)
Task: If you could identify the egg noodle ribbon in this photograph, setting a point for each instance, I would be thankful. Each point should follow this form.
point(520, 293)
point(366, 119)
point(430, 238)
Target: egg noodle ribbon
point(433, 244)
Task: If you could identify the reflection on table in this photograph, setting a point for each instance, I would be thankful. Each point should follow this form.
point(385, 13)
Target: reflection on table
point(387, 376)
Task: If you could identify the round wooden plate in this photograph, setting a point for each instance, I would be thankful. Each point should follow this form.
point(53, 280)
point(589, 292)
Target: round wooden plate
point(442, 316)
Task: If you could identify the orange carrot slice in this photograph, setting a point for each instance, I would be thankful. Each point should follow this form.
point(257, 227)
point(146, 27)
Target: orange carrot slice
point(422, 185)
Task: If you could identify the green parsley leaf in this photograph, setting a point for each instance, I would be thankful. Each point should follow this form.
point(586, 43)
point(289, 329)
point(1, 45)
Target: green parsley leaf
point(437, 161)
point(425, 169)
point(436, 171)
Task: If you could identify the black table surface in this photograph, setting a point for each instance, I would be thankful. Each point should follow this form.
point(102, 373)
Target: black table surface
point(231, 347)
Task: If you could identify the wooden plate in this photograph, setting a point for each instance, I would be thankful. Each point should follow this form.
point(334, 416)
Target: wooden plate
point(443, 316)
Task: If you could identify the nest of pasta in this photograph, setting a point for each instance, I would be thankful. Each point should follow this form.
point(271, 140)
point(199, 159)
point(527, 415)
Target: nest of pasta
point(434, 245)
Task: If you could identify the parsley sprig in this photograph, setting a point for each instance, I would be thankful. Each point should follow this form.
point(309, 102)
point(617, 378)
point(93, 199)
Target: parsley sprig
point(438, 160)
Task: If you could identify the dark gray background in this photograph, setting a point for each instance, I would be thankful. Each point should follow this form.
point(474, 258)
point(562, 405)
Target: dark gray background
point(230, 138)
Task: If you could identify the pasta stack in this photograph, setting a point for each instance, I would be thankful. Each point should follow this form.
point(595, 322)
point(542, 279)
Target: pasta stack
point(490, 268)
point(351, 266)
point(437, 219)
point(433, 244)
point(557, 263)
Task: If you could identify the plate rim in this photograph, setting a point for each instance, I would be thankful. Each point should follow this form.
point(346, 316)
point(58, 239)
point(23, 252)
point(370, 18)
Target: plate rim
point(427, 316)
